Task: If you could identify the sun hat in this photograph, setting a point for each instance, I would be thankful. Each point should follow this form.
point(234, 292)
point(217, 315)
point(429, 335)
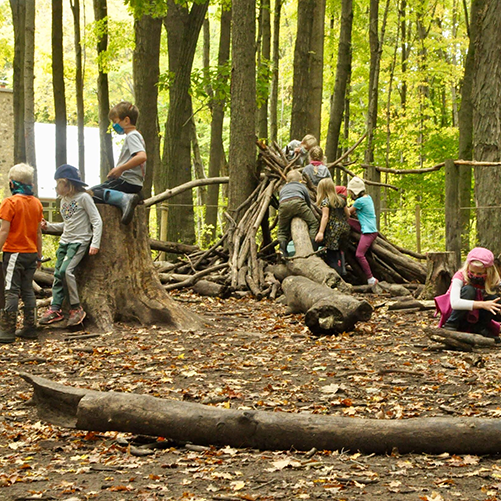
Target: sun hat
point(69, 172)
point(356, 185)
point(484, 256)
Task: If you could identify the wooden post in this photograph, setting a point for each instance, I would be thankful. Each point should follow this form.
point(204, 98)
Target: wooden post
point(452, 210)
point(418, 228)
point(164, 212)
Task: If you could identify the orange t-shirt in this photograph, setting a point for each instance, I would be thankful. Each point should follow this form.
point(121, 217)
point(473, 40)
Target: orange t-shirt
point(25, 213)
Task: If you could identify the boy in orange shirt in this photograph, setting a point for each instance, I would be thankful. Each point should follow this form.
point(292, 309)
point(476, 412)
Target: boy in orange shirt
point(21, 242)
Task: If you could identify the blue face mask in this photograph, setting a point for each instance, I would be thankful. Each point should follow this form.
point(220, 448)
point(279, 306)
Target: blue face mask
point(118, 129)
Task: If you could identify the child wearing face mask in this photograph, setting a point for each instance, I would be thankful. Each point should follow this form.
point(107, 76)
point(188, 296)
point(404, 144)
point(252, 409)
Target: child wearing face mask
point(473, 300)
point(125, 181)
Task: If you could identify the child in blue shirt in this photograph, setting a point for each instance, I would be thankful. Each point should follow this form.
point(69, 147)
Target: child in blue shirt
point(363, 207)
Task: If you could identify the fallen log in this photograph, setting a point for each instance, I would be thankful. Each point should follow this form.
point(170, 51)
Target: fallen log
point(211, 289)
point(327, 311)
point(173, 247)
point(44, 278)
point(464, 337)
point(184, 422)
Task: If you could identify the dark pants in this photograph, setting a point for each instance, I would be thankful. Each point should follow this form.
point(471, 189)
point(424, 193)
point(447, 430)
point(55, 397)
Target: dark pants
point(113, 184)
point(461, 319)
point(18, 269)
point(335, 259)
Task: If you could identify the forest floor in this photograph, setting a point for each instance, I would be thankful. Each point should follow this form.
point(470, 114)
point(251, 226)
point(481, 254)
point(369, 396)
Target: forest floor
point(253, 356)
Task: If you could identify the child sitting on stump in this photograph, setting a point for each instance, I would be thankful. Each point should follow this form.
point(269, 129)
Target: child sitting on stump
point(294, 202)
point(473, 304)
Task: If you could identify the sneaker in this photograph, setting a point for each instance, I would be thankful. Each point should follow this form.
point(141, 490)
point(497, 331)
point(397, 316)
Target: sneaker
point(51, 316)
point(76, 316)
point(372, 281)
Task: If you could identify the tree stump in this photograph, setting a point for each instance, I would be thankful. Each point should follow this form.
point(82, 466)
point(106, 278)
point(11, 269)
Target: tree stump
point(441, 269)
point(120, 283)
point(327, 311)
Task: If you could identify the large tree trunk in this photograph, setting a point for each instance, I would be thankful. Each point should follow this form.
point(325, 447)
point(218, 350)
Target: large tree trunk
point(487, 122)
point(343, 70)
point(183, 28)
point(216, 158)
point(242, 156)
point(205, 425)
point(120, 282)
point(19, 22)
point(327, 311)
point(275, 72)
point(58, 81)
point(146, 71)
point(105, 145)
point(301, 81)
point(264, 63)
point(79, 86)
point(29, 92)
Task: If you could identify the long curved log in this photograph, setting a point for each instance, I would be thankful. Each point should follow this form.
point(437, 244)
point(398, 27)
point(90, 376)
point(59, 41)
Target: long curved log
point(205, 425)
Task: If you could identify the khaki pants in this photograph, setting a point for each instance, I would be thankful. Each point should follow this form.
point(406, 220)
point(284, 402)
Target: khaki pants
point(287, 211)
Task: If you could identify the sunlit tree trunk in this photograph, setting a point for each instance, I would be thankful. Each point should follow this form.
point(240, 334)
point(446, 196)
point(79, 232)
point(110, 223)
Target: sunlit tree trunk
point(242, 158)
point(343, 70)
point(29, 93)
point(265, 56)
point(275, 72)
point(487, 121)
point(216, 158)
point(79, 83)
point(105, 149)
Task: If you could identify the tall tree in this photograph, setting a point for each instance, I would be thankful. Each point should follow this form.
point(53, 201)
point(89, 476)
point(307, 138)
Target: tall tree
point(487, 119)
point(29, 92)
point(301, 80)
point(105, 145)
point(183, 27)
point(275, 72)
point(79, 85)
point(58, 81)
point(146, 70)
point(216, 158)
point(19, 21)
point(243, 104)
point(343, 70)
point(264, 64)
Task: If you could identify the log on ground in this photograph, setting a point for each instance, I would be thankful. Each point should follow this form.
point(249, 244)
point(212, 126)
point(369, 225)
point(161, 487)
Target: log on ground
point(206, 425)
point(327, 311)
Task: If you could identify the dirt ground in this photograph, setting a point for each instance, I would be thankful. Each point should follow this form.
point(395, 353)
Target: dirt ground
point(254, 356)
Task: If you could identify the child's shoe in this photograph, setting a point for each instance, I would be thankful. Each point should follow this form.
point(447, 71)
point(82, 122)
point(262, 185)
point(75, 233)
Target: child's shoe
point(372, 281)
point(51, 316)
point(76, 316)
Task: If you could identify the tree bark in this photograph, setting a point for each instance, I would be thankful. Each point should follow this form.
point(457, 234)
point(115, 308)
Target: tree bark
point(120, 283)
point(216, 157)
point(183, 422)
point(183, 28)
point(79, 86)
point(441, 269)
point(327, 311)
point(146, 70)
point(264, 61)
point(18, 8)
point(105, 145)
point(275, 72)
point(301, 79)
point(29, 92)
point(58, 81)
point(242, 157)
point(343, 70)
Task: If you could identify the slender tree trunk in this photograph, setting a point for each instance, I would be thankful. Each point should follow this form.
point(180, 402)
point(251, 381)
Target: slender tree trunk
point(343, 70)
point(106, 149)
point(301, 81)
point(58, 81)
point(183, 28)
point(242, 162)
point(146, 70)
point(79, 84)
point(465, 122)
point(487, 120)
point(29, 93)
point(264, 20)
point(316, 69)
point(216, 158)
point(18, 8)
point(275, 73)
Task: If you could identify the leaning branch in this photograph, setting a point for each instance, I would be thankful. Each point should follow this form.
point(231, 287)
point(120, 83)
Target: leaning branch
point(183, 187)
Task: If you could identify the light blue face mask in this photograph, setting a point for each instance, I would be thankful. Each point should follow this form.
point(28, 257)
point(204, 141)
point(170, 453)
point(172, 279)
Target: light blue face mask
point(118, 128)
